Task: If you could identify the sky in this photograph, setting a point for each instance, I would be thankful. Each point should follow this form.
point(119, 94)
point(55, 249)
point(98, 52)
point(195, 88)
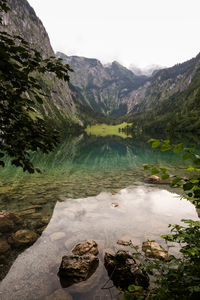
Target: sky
point(139, 32)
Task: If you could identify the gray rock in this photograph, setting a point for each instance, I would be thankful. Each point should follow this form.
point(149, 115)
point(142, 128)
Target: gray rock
point(74, 268)
point(123, 270)
point(86, 247)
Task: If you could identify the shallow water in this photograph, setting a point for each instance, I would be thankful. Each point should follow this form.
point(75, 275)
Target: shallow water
point(79, 183)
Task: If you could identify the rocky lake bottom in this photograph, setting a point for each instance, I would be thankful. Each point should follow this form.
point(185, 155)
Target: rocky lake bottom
point(92, 190)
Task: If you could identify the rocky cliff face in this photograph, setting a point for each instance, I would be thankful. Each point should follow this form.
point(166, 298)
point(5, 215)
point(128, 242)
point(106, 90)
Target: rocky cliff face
point(22, 20)
point(171, 101)
point(167, 83)
point(116, 91)
point(105, 89)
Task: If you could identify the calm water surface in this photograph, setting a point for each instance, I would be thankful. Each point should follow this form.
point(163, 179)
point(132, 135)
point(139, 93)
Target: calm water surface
point(78, 185)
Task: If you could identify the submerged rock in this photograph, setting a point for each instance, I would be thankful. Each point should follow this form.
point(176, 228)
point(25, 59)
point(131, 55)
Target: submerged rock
point(6, 224)
point(23, 238)
point(154, 250)
point(86, 247)
point(153, 179)
point(43, 221)
point(4, 247)
point(75, 268)
point(39, 201)
point(57, 236)
point(9, 221)
point(123, 270)
point(115, 204)
point(157, 179)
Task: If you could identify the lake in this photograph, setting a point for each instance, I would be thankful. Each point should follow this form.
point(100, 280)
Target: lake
point(90, 188)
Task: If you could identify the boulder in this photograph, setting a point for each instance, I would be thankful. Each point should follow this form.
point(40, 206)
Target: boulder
point(23, 238)
point(124, 271)
point(154, 250)
point(91, 284)
point(86, 247)
point(75, 268)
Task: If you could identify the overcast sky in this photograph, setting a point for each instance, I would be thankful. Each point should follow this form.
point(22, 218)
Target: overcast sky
point(140, 32)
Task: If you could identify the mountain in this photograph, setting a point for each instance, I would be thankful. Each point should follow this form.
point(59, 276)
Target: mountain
point(22, 20)
point(105, 89)
point(172, 99)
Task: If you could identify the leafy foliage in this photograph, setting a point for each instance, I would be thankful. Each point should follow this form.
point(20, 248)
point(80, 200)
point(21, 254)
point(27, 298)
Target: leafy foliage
point(191, 184)
point(22, 129)
point(178, 278)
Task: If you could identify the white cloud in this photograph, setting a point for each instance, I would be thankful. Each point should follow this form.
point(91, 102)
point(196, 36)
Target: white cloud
point(142, 32)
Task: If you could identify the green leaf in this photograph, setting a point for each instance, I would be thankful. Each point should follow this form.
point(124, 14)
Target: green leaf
point(147, 167)
point(190, 169)
point(178, 148)
point(155, 171)
point(151, 140)
point(187, 156)
point(156, 144)
point(187, 186)
point(165, 147)
point(176, 180)
point(165, 176)
point(163, 170)
point(133, 288)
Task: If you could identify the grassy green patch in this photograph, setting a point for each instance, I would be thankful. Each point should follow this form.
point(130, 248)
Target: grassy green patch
point(104, 130)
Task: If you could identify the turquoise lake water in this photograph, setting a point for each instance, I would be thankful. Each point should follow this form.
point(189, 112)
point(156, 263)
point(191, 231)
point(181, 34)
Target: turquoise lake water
point(78, 188)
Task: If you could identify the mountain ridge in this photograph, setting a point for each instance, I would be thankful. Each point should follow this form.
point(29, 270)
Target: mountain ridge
point(101, 87)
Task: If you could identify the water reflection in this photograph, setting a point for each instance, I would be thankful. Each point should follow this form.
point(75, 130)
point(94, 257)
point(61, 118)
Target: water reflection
point(144, 212)
point(80, 168)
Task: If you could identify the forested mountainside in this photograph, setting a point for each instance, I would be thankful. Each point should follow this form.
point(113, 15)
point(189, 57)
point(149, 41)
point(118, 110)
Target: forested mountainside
point(172, 100)
point(168, 98)
point(59, 107)
point(106, 89)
